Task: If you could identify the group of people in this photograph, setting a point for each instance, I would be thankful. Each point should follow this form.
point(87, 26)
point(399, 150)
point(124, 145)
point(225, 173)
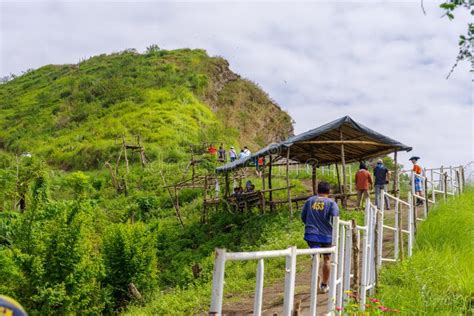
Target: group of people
point(319, 210)
point(222, 154)
point(364, 182)
point(239, 191)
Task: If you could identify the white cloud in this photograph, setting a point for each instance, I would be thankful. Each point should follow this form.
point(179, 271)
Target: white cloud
point(384, 64)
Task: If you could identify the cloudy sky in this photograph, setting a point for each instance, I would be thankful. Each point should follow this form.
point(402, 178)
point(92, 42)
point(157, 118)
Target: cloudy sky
point(383, 64)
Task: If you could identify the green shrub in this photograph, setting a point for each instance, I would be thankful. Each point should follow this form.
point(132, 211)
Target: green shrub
point(129, 257)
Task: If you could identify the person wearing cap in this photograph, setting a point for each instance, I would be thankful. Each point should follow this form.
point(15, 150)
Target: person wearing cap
point(418, 181)
point(382, 177)
point(232, 154)
point(363, 181)
point(10, 307)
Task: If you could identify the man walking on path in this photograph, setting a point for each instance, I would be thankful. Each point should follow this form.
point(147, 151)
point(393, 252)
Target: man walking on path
point(317, 215)
point(363, 181)
point(382, 177)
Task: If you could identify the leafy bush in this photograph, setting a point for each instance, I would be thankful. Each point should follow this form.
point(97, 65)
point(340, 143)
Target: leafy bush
point(129, 257)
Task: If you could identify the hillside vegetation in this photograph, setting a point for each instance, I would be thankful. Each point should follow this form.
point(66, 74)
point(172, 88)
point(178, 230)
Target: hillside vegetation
point(71, 240)
point(72, 115)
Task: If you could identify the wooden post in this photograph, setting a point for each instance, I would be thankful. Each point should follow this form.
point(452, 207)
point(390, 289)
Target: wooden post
point(445, 185)
point(344, 180)
point(396, 189)
point(288, 181)
point(270, 194)
point(398, 210)
point(125, 152)
point(193, 171)
point(173, 200)
point(314, 178)
point(463, 179)
point(426, 205)
point(204, 207)
point(142, 152)
point(459, 182)
point(227, 186)
point(355, 257)
point(338, 178)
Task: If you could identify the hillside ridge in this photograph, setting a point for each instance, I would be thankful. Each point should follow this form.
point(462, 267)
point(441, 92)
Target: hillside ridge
point(72, 114)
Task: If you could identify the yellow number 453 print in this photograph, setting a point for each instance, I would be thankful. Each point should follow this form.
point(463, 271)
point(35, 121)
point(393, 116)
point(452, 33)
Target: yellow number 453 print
point(318, 206)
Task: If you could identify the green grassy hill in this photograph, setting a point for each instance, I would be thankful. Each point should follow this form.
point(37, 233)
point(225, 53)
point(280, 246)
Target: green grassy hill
point(72, 241)
point(71, 115)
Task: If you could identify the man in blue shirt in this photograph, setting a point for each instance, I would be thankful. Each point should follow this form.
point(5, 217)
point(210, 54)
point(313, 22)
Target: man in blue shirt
point(382, 177)
point(317, 215)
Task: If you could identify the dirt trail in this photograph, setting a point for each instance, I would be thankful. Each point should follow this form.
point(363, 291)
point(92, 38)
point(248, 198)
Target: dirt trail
point(273, 294)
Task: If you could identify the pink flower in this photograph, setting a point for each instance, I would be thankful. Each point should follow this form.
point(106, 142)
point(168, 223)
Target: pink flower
point(374, 300)
point(339, 309)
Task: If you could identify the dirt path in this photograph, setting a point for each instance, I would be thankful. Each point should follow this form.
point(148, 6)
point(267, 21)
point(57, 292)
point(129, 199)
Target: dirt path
point(273, 295)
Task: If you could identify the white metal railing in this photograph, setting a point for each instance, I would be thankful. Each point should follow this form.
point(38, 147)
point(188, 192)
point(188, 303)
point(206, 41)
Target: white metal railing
point(437, 180)
point(339, 280)
point(367, 281)
point(397, 227)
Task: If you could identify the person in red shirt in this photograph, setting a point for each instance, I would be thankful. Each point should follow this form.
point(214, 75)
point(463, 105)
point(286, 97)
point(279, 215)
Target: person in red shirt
point(418, 181)
point(212, 150)
point(363, 181)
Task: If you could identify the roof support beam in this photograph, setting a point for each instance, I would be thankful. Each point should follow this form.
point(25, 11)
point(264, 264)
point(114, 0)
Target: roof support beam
point(361, 142)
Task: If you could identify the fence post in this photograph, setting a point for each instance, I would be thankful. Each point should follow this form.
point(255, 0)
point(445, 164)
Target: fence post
point(380, 218)
point(458, 179)
point(397, 229)
point(334, 265)
point(445, 185)
point(257, 306)
point(340, 266)
point(425, 195)
point(365, 255)
point(411, 225)
point(290, 274)
point(218, 282)
point(347, 261)
point(355, 256)
point(463, 179)
point(314, 286)
point(451, 179)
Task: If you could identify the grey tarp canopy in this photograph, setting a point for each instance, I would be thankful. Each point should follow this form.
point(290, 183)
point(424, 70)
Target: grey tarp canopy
point(322, 145)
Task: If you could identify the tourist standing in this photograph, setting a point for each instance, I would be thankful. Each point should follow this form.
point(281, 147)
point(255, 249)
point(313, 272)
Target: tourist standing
point(221, 154)
point(382, 177)
point(232, 154)
point(418, 181)
point(363, 181)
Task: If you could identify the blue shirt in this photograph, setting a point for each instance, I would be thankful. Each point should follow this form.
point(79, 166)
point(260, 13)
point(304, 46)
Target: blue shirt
point(317, 216)
point(380, 174)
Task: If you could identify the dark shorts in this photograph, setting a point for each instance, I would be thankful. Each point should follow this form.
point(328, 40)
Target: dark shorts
point(314, 244)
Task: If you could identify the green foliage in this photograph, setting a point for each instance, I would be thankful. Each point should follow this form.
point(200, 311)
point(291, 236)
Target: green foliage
point(465, 40)
point(439, 278)
point(129, 257)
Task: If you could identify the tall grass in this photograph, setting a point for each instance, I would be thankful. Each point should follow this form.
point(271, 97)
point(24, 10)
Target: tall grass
point(439, 278)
